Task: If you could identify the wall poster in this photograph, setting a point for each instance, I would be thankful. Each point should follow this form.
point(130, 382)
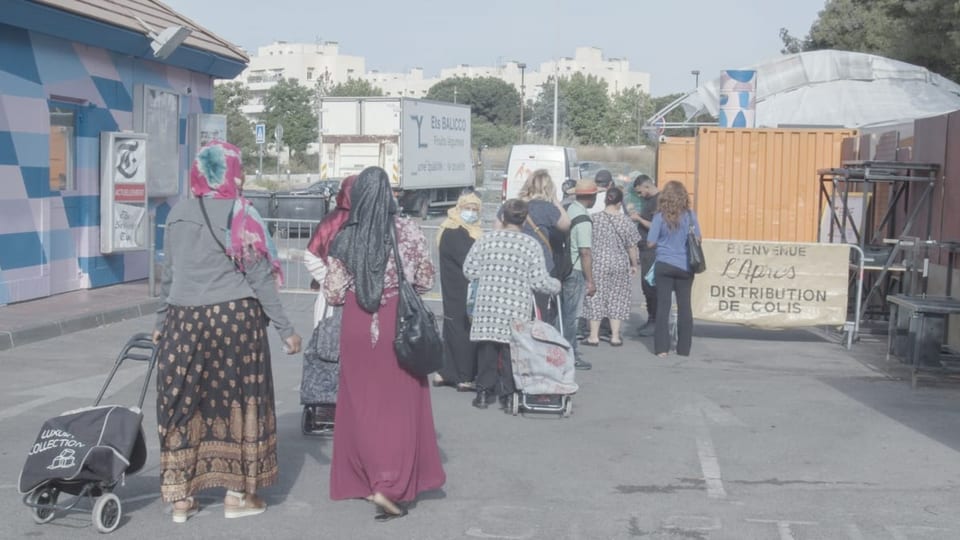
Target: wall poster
point(203, 128)
point(156, 112)
point(124, 168)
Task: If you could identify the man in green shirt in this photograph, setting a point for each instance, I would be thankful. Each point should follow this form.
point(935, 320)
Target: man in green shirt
point(646, 189)
point(579, 284)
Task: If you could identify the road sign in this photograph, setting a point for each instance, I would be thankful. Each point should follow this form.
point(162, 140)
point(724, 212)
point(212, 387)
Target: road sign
point(261, 133)
point(278, 133)
point(661, 127)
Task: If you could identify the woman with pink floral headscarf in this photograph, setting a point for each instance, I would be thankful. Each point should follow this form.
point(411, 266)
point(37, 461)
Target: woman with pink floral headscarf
point(215, 406)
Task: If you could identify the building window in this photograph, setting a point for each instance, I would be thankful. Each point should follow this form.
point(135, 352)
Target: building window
point(309, 74)
point(63, 121)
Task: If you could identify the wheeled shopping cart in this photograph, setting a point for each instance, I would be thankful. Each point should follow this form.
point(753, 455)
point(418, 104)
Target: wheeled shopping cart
point(86, 452)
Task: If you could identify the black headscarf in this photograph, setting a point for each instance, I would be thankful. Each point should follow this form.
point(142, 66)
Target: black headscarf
point(365, 242)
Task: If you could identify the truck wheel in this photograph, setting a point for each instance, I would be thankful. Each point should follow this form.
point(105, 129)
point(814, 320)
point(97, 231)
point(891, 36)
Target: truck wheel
point(423, 206)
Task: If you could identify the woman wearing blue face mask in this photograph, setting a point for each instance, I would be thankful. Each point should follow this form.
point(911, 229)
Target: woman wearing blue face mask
point(457, 235)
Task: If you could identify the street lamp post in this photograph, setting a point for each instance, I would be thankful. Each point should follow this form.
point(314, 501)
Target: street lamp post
point(522, 67)
point(696, 78)
point(556, 99)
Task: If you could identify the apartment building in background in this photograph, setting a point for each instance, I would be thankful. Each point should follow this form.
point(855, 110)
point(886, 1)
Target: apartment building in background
point(308, 62)
point(305, 62)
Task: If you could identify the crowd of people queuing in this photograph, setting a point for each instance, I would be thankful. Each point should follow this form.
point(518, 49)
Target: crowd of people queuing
point(559, 255)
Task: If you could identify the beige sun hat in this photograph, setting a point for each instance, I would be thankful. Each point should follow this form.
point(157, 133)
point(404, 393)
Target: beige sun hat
point(585, 186)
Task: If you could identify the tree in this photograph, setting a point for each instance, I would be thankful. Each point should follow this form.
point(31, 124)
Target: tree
point(629, 111)
point(588, 108)
point(933, 29)
point(291, 105)
point(921, 32)
point(791, 44)
point(855, 25)
point(485, 133)
point(228, 98)
point(541, 117)
point(494, 106)
point(490, 98)
point(354, 88)
point(583, 110)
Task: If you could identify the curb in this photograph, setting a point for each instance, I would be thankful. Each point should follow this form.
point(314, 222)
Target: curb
point(40, 332)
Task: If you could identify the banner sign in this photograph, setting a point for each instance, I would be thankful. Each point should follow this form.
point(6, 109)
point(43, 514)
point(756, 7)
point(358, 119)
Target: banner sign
point(772, 284)
point(123, 191)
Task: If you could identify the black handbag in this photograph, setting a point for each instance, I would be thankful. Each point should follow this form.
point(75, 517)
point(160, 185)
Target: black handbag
point(417, 343)
point(695, 259)
point(324, 344)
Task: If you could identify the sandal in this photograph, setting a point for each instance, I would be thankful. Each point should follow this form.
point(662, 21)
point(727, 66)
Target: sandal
point(591, 343)
point(616, 343)
point(466, 387)
point(383, 515)
point(247, 505)
point(182, 513)
point(386, 509)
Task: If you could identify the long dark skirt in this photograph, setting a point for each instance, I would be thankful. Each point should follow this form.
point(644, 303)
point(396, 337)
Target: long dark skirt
point(459, 353)
point(384, 440)
point(215, 408)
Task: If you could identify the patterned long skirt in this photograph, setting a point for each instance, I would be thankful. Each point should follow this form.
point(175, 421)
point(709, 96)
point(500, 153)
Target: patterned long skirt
point(215, 408)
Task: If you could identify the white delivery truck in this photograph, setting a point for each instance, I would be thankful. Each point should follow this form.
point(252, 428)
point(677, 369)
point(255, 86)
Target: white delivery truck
point(423, 145)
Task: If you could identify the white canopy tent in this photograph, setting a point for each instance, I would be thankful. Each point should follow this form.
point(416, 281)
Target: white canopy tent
point(830, 88)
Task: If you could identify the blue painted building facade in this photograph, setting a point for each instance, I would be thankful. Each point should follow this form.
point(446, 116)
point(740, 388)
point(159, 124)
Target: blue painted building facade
point(64, 79)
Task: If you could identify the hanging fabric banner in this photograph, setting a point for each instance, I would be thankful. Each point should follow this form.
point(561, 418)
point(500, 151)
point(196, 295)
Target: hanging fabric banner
point(772, 284)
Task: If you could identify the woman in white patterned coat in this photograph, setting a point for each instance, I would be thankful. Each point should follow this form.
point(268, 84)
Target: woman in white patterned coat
point(509, 266)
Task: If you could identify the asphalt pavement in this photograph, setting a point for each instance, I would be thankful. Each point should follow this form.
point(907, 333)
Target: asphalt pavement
point(756, 435)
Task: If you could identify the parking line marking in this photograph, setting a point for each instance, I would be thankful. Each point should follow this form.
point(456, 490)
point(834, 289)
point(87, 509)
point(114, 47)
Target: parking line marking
point(709, 464)
point(783, 526)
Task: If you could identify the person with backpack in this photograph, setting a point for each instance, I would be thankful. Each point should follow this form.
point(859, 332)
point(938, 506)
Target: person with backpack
point(578, 280)
point(547, 223)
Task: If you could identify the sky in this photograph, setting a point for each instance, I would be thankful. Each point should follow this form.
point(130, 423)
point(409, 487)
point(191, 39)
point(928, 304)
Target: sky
point(666, 38)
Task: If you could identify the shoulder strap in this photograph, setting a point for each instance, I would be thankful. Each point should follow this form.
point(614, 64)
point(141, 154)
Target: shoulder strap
point(206, 217)
point(542, 236)
point(613, 224)
point(579, 219)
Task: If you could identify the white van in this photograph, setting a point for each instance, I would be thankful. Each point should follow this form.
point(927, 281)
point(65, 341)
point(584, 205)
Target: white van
point(559, 161)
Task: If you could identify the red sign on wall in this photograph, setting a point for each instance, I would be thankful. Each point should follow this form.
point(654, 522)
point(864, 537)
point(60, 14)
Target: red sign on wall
point(129, 192)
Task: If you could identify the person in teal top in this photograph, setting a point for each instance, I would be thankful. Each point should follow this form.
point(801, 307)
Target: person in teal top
point(632, 200)
point(579, 284)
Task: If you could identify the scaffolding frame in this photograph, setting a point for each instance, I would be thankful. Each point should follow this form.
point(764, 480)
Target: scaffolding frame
point(881, 239)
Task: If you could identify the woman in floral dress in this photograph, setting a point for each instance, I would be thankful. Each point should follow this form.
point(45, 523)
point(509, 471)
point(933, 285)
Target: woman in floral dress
point(615, 240)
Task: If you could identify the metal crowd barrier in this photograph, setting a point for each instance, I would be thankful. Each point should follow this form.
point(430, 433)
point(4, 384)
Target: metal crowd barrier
point(291, 237)
point(852, 329)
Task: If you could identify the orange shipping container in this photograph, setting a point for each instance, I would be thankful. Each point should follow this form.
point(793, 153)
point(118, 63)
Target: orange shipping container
point(759, 184)
point(677, 160)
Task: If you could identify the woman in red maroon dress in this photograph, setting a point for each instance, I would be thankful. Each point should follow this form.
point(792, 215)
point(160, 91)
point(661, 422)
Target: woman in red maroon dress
point(384, 447)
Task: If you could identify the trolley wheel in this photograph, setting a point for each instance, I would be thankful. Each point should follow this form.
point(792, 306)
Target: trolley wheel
point(567, 408)
point(306, 420)
point(514, 403)
point(46, 496)
point(107, 512)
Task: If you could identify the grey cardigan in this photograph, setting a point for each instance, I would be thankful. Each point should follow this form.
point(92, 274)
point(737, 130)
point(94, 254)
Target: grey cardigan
point(197, 273)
